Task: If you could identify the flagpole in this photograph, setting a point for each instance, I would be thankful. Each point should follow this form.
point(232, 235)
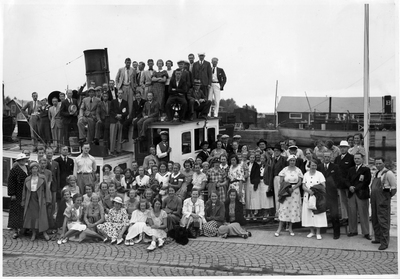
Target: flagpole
point(366, 83)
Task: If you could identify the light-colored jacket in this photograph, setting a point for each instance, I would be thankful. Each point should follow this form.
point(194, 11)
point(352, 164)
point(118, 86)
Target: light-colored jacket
point(55, 117)
point(187, 208)
point(119, 79)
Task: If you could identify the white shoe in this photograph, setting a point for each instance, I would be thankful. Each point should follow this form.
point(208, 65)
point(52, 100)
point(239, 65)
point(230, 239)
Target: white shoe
point(310, 235)
point(319, 237)
point(140, 239)
point(127, 242)
point(160, 242)
point(152, 246)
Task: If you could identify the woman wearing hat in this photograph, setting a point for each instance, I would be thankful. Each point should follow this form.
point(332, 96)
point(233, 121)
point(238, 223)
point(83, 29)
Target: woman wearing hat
point(15, 187)
point(290, 208)
point(116, 223)
point(35, 196)
point(262, 145)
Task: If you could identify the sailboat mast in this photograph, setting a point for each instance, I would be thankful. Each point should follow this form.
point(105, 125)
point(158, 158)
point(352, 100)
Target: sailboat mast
point(276, 96)
point(366, 83)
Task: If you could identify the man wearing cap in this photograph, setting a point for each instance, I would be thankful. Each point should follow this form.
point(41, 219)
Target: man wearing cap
point(383, 188)
point(299, 162)
point(204, 154)
point(85, 169)
point(357, 181)
point(217, 85)
point(88, 116)
point(126, 81)
point(278, 163)
point(345, 161)
point(177, 95)
point(238, 138)
point(103, 120)
point(198, 103)
point(225, 144)
point(134, 116)
point(98, 90)
point(33, 117)
point(163, 149)
point(299, 152)
point(145, 78)
point(118, 112)
point(69, 116)
point(202, 71)
point(56, 124)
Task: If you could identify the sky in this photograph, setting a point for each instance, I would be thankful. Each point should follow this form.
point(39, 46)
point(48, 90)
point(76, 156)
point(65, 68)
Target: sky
point(310, 47)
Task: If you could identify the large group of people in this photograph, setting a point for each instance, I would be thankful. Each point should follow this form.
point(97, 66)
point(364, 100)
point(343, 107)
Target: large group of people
point(214, 194)
point(137, 98)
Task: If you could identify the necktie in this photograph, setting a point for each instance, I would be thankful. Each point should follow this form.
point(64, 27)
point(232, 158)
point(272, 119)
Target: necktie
point(326, 167)
point(70, 101)
point(213, 70)
point(105, 104)
point(65, 159)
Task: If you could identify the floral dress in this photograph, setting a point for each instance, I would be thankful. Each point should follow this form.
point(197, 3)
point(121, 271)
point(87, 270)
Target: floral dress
point(74, 216)
point(290, 210)
point(236, 177)
point(115, 221)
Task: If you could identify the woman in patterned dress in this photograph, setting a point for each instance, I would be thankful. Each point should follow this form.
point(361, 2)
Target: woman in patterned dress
point(158, 80)
point(137, 223)
point(290, 209)
point(15, 188)
point(237, 178)
point(116, 223)
point(156, 225)
point(73, 220)
point(214, 214)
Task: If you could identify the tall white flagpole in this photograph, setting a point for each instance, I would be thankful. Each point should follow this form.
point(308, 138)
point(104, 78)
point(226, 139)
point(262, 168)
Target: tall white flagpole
point(366, 83)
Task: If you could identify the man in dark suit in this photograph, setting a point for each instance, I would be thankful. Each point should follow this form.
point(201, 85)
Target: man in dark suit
point(134, 116)
point(198, 103)
point(203, 154)
point(66, 167)
point(331, 173)
point(177, 95)
point(278, 163)
point(357, 181)
point(202, 71)
point(118, 113)
point(112, 91)
point(69, 112)
point(103, 120)
point(225, 143)
point(217, 84)
point(33, 117)
point(345, 161)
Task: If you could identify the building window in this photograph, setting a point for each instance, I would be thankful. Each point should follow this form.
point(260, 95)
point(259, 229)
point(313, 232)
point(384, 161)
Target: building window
point(301, 126)
point(294, 115)
point(13, 109)
point(198, 138)
point(186, 143)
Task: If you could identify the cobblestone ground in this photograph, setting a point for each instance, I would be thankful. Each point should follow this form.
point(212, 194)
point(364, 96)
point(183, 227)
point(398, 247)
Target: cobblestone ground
point(209, 258)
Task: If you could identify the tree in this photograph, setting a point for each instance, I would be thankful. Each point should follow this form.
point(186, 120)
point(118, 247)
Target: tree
point(252, 107)
point(229, 104)
point(7, 99)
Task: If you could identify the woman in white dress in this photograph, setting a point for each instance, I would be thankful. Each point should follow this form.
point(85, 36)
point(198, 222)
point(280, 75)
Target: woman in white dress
point(157, 224)
point(137, 223)
point(308, 218)
point(290, 209)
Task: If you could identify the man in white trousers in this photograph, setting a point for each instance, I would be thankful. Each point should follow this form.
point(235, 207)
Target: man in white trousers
point(217, 85)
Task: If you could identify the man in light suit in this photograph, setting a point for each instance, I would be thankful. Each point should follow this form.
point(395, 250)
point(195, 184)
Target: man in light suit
point(33, 118)
point(126, 81)
point(118, 113)
point(56, 124)
point(145, 78)
point(202, 71)
point(357, 181)
point(88, 116)
point(103, 121)
point(217, 85)
point(69, 117)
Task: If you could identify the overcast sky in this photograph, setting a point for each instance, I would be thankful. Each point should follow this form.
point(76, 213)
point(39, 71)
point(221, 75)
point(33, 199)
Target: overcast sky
point(309, 46)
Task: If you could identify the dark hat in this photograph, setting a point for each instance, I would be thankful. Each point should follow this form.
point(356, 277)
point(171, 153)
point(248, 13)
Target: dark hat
point(293, 147)
point(278, 146)
point(260, 141)
point(203, 143)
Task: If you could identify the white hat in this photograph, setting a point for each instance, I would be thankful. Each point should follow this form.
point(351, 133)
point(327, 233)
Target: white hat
point(164, 133)
point(344, 143)
point(293, 146)
point(224, 136)
point(117, 200)
point(290, 157)
point(237, 136)
point(21, 156)
point(201, 53)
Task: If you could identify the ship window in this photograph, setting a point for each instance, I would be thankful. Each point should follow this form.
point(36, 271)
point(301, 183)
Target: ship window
point(198, 138)
point(295, 115)
point(211, 135)
point(186, 143)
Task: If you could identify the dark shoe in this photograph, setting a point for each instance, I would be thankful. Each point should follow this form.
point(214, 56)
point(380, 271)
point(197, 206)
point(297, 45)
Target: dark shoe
point(367, 236)
point(249, 234)
point(245, 236)
point(352, 234)
point(96, 142)
point(375, 242)
point(382, 247)
point(336, 236)
point(15, 235)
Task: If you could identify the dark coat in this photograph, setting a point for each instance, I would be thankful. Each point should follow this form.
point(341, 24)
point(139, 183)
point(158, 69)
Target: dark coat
point(65, 116)
point(361, 184)
point(203, 155)
point(102, 113)
point(239, 218)
point(202, 72)
point(116, 108)
point(15, 186)
point(320, 195)
point(285, 190)
point(66, 169)
point(62, 205)
point(55, 178)
point(332, 177)
point(137, 109)
point(221, 77)
point(218, 215)
point(344, 165)
point(277, 166)
point(181, 88)
point(255, 175)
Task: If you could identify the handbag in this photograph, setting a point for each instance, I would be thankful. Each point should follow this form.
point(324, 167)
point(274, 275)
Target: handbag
point(312, 203)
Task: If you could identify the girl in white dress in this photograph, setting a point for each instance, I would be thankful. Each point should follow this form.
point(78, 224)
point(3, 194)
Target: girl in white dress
point(308, 218)
point(138, 223)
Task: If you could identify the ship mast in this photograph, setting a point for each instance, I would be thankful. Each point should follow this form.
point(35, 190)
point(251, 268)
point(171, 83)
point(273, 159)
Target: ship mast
point(366, 83)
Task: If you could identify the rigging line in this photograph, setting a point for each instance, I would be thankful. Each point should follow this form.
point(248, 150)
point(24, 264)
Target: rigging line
point(202, 37)
point(74, 60)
